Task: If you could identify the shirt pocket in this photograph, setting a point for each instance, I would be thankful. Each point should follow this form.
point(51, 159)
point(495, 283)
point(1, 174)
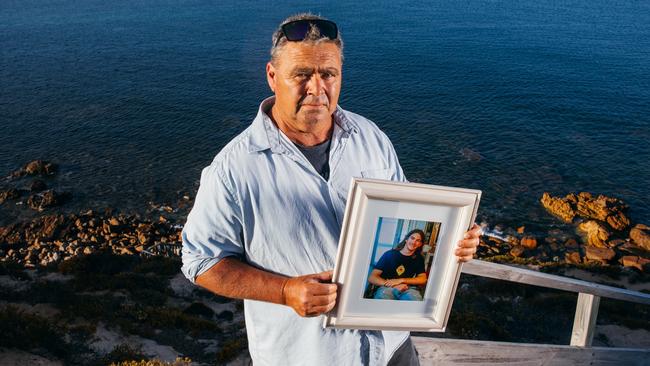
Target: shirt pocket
point(377, 174)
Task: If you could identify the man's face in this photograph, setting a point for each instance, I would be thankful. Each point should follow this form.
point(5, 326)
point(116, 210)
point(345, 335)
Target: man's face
point(306, 79)
point(414, 241)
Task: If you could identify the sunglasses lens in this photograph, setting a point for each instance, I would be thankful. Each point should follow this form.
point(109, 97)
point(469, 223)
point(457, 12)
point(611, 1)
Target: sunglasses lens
point(297, 30)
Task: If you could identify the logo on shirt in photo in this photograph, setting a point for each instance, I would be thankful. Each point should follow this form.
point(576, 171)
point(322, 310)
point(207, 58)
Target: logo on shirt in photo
point(400, 270)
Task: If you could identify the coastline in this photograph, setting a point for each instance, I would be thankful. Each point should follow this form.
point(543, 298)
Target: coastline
point(109, 283)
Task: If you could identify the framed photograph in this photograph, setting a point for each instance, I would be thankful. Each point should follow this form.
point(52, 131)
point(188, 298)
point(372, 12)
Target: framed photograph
point(395, 265)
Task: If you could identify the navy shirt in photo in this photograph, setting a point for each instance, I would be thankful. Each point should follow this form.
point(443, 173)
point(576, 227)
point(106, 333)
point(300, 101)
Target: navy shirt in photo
point(394, 264)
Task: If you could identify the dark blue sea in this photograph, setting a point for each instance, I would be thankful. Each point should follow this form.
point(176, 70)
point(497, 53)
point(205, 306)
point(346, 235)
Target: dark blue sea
point(134, 98)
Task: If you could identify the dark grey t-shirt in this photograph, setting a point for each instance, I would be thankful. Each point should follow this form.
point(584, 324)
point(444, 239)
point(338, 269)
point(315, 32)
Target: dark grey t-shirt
point(318, 156)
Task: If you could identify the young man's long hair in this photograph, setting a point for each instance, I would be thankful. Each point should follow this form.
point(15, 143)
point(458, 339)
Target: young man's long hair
point(401, 245)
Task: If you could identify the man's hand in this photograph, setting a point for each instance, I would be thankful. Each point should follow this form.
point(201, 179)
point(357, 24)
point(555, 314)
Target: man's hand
point(309, 295)
point(393, 282)
point(467, 246)
point(401, 287)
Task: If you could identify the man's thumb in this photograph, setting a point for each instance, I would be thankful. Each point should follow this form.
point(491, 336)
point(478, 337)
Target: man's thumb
point(324, 276)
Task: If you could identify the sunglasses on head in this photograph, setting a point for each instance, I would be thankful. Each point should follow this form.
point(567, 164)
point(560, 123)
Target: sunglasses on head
point(297, 30)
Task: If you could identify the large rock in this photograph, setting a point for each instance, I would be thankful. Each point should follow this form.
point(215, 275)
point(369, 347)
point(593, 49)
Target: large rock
point(640, 235)
point(40, 167)
point(558, 207)
point(572, 257)
point(596, 233)
point(603, 208)
point(51, 225)
point(635, 262)
point(528, 242)
point(11, 234)
point(618, 221)
point(8, 194)
point(517, 251)
point(603, 255)
point(45, 199)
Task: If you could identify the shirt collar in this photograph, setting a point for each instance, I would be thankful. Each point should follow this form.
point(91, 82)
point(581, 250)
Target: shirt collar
point(266, 135)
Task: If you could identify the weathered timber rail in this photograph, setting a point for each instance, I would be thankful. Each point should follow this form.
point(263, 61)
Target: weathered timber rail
point(441, 351)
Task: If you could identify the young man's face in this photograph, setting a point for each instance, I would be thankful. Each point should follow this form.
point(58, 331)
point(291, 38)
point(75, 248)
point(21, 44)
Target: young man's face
point(414, 241)
point(306, 80)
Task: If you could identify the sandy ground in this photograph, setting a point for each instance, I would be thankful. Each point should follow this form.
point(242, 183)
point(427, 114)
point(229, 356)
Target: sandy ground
point(621, 337)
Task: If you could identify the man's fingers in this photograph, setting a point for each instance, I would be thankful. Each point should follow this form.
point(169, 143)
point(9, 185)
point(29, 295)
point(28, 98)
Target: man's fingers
point(318, 288)
point(324, 276)
point(318, 310)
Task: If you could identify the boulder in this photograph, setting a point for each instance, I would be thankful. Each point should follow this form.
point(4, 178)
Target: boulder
point(618, 221)
point(40, 167)
point(528, 242)
point(640, 235)
point(596, 233)
point(517, 251)
point(51, 225)
point(572, 257)
point(45, 199)
point(631, 249)
point(603, 255)
point(634, 262)
point(558, 207)
point(8, 194)
point(603, 208)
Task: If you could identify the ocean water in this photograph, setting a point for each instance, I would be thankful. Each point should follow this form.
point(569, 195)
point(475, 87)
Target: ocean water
point(134, 98)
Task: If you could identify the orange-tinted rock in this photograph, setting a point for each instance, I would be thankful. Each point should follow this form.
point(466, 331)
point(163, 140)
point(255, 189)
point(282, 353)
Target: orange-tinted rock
point(520, 230)
point(603, 255)
point(603, 208)
point(572, 257)
point(558, 207)
point(528, 242)
point(517, 251)
point(8, 194)
point(40, 167)
point(634, 261)
point(618, 221)
point(640, 235)
point(597, 234)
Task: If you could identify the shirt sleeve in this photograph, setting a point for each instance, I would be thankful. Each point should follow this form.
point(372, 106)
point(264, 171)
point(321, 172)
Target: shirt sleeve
point(214, 227)
point(383, 262)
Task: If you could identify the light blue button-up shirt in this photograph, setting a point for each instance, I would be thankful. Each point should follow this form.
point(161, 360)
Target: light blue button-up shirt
point(262, 201)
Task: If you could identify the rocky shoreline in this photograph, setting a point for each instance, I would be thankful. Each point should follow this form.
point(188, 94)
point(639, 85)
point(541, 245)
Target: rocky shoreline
point(601, 234)
point(118, 269)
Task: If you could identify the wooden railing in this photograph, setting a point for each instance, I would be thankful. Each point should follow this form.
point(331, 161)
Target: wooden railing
point(584, 323)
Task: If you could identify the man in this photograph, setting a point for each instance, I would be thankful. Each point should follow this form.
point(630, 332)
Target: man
point(267, 216)
point(399, 271)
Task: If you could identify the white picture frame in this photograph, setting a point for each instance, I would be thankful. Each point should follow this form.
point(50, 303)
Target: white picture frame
point(370, 201)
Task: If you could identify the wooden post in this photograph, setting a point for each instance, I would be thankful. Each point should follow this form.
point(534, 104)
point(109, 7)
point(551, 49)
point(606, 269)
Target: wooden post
point(584, 322)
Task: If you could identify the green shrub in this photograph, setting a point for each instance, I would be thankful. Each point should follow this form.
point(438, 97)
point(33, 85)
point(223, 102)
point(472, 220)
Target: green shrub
point(100, 263)
point(121, 353)
point(13, 269)
point(230, 350)
point(178, 362)
point(164, 266)
point(25, 331)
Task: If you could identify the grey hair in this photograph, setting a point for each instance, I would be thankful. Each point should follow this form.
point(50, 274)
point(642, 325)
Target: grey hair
point(279, 40)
